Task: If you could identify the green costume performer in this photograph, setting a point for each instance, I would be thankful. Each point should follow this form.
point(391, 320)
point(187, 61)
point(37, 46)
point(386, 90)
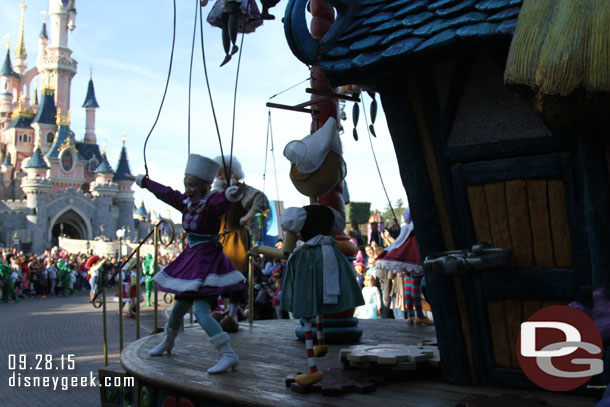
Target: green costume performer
point(148, 269)
point(65, 273)
point(8, 287)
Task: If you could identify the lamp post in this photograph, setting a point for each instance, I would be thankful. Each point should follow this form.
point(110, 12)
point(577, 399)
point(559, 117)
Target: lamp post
point(119, 234)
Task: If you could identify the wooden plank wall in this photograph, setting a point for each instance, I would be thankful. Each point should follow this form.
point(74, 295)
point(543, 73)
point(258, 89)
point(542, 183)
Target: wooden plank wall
point(530, 217)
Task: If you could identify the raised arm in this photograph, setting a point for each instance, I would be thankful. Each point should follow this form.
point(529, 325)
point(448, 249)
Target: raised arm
point(164, 193)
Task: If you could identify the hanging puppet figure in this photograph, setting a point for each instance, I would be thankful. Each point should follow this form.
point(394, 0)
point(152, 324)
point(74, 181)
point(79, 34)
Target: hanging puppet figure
point(233, 16)
point(148, 269)
point(402, 256)
point(201, 272)
point(234, 236)
point(319, 279)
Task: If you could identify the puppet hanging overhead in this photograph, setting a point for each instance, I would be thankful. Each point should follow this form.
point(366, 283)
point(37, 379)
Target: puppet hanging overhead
point(233, 16)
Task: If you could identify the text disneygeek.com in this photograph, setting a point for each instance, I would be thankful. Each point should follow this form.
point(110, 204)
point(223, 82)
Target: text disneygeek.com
point(22, 363)
point(67, 382)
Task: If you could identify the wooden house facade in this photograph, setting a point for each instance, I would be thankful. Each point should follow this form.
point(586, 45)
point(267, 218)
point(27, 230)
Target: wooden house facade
point(482, 161)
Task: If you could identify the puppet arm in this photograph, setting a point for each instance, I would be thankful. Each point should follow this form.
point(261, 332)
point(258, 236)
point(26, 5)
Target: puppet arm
point(290, 239)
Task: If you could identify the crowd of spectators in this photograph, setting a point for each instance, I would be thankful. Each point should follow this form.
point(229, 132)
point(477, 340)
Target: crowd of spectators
point(57, 273)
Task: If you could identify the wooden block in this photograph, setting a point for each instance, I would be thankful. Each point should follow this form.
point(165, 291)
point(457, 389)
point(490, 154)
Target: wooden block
point(498, 215)
point(519, 223)
point(480, 215)
point(514, 317)
point(529, 307)
point(499, 334)
point(560, 229)
point(539, 216)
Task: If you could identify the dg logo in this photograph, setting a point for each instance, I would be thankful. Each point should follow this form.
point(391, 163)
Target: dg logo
point(560, 348)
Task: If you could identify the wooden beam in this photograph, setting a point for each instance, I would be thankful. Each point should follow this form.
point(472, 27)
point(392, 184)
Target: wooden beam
point(291, 108)
point(333, 95)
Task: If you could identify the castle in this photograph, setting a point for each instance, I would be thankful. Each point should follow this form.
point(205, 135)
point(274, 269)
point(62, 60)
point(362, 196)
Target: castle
point(51, 184)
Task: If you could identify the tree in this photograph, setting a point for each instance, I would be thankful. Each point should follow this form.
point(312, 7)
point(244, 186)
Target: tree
point(399, 209)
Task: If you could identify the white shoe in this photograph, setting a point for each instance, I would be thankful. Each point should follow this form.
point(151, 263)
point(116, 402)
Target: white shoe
point(229, 359)
point(167, 344)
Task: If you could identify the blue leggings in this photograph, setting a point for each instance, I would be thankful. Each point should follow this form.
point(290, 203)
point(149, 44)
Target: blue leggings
point(201, 309)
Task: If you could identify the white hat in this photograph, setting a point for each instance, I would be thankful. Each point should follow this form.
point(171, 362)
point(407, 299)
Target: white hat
point(309, 153)
point(236, 169)
point(201, 167)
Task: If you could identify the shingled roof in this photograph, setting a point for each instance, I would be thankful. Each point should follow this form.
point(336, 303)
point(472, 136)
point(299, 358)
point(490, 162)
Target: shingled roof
point(37, 161)
point(47, 111)
point(104, 167)
point(370, 33)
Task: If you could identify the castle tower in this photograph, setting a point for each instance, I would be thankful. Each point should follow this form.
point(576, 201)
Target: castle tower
point(124, 199)
point(43, 39)
point(9, 86)
point(44, 123)
point(57, 68)
point(67, 164)
point(38, 190)
point(6, 170)
point(20, 54)
point(104, 190)
point(19, 134)
point(90, 105)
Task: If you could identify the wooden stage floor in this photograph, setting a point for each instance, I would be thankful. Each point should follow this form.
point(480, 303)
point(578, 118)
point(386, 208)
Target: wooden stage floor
point(269, 351)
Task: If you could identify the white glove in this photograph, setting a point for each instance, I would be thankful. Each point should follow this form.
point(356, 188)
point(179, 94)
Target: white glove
point(140, 179)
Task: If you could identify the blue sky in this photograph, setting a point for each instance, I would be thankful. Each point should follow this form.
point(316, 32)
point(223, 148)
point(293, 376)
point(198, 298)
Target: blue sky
point(127, 45)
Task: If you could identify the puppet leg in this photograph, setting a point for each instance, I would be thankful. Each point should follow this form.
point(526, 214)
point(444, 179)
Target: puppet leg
point(420, 318)
point(409, 299)
point(313, 376)
point(320, 349)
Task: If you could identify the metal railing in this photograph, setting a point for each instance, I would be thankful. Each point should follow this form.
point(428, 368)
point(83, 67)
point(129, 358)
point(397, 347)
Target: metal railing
point(155, 232)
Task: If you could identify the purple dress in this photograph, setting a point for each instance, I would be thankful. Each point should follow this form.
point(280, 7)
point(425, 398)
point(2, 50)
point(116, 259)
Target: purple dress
point(202, 269)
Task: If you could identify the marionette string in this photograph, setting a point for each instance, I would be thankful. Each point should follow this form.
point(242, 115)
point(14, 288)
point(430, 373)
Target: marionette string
point(207, 81)
point(366, 121)
point(197, 8)
point(169, 74)
point(270, 139)
point(292, 87)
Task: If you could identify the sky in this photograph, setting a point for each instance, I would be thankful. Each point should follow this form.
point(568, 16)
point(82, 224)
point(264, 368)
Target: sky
point(126, 47)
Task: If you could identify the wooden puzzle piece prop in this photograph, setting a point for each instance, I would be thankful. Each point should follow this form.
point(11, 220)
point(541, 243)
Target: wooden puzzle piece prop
point(337, 382)
point(392, 356)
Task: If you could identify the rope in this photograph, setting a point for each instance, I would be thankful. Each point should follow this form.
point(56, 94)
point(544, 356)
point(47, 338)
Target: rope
point(197, 7)
point(207, 80)
point(169, 74)
point(277, 191)
point(366, 121)
point(241, 48)
point(266, 149)
point(292, 87)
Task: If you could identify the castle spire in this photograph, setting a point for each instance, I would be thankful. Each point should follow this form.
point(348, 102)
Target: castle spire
point(90, 105)
point(123, 166)
point(7, 66)
point(20, 54)
point(43, 30)
point(90, 100)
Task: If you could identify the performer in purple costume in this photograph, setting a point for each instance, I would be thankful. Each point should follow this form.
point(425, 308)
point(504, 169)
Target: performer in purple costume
point(201, 272)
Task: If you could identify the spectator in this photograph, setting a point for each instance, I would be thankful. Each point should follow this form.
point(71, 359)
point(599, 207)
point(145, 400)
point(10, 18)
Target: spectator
point(372, 300)
point(356, 233)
